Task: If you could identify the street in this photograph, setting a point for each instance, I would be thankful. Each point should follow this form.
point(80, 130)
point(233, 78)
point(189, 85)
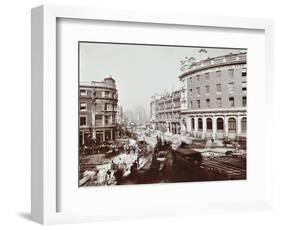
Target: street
point(155, 159)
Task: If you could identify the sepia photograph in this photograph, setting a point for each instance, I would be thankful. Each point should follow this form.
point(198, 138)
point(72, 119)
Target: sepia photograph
point(161, 114)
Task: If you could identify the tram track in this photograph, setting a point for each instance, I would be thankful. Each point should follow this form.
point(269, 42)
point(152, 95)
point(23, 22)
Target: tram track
point(233, 168)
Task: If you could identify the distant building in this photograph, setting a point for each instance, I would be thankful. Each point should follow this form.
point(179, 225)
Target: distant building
point(120, 117)
point(154, 110)
point(136, 115)
point(98, 108)
point(214, 97)
point(165, 112)
point(140, 114)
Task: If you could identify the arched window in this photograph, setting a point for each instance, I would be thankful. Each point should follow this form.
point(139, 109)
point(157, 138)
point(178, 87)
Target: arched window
point(219, 124)
point(192, 123)
point(232, 124)
point(200, 124)
point(244, 125)
point(209, 124)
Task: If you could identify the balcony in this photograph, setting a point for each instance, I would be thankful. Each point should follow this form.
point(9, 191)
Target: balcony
point(106, 98)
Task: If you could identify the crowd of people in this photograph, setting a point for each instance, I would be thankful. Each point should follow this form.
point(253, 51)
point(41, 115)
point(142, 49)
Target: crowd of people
point(126, 164)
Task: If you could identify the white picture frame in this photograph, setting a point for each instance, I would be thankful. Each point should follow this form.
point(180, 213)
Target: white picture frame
point(44, 206)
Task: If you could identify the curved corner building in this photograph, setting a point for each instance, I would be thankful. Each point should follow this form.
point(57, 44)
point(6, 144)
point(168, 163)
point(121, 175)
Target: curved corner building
point(214, 97)
point(98, 108)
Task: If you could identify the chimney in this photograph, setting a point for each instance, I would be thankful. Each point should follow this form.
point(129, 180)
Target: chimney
point(202, 54)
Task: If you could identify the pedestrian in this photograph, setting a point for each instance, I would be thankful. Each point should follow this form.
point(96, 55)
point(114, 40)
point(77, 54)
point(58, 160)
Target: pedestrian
point(133, 169)
point(138, 160)
point(100, 177)
point(124, 149)
point(119, 176)
point(108, 177)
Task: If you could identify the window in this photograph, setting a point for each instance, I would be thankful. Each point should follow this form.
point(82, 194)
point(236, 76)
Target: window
point(218, 86)
point(191, 80)
point(107, 135)
point(108, 107)
point(219, 102)
point(99, 94)
point(200, 124)
point(208, 103)
point(218, 74)
point(190, 92)
point(231, 88)
point(207, 89)
point(99, 137)
point(209, 124)
point(244, 101)
point(98, 119)
point(219, 124)
point(107, 94)
point(190, 105)
point(99, 107)
point(244, 86)
point(113, 119)
point(192, 123)
point(83, 121)
point(232, 124)
point(83, 106)
point(83, 92)
point(231, 73)
point(244, 72)
point(106, 119)
point(198, 77)
point(244, 125)
point(198, 104)
point(231, 101)
point(198, 91)
point(207, 76)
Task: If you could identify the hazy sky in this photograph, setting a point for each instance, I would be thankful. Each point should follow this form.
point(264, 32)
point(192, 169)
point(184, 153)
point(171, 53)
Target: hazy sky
point(140, 71)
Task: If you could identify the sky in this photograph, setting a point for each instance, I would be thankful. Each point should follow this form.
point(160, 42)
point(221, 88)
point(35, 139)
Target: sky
point(140, 71)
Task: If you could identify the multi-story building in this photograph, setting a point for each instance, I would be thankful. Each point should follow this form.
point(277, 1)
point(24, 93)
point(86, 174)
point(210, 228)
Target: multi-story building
point(214, 97)
point(98, 108)
point(152, 113)
point(120, 118)
point(165, 112)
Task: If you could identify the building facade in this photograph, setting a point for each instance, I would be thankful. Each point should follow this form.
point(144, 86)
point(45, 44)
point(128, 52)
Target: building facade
point(98, 108)
point(120, 117)
point(165, 112)
point(214, 97)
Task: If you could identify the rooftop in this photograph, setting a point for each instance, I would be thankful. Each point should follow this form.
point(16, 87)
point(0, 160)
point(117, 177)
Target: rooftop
point(229, 59)
point(108, 82)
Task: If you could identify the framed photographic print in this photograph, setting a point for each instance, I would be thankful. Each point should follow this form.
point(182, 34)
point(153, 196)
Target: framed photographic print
point(139, 114)
point(133, 130)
